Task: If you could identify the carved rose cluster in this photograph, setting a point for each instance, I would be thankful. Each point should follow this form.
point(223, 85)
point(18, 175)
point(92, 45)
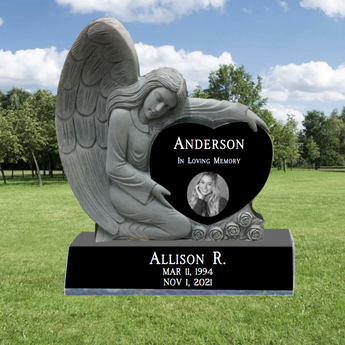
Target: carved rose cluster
point(233, 230)
point(216, 234)
point(199, 233)
point(255, 233)
point(245, 218)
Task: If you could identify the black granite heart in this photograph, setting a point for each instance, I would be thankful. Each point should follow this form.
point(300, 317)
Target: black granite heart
point(239, 156)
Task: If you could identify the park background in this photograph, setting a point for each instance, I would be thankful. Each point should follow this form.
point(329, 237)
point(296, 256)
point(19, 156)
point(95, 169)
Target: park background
point(293, 76)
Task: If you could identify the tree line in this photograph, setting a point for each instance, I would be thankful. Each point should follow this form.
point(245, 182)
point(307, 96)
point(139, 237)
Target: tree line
point(27, 131)
point(28, 136)
point(321, 142)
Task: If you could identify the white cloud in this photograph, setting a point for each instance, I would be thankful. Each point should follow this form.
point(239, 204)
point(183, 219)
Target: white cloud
point(312, 81)
point(279, 112)
point(41, 68)
point(332, 8)
point(194, 66)
point(284, 5)
point(1, 21)
point(246, 10)
point(147, 11)
point(31, 69)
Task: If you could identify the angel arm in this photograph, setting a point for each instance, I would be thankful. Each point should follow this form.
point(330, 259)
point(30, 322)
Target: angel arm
point(220, 112)
point(133, 181)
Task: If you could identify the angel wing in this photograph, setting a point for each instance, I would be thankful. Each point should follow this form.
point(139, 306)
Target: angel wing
point(102, 58)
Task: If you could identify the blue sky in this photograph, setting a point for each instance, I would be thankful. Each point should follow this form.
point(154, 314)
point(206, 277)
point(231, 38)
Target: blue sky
point(296, 46)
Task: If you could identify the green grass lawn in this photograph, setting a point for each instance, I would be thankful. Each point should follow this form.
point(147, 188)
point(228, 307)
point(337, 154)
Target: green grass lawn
point(38, 224)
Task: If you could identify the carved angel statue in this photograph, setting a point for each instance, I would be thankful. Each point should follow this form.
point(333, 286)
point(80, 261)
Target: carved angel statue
point(107, 117)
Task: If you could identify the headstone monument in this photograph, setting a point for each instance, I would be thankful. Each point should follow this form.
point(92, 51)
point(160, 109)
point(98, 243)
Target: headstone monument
point(169, 180)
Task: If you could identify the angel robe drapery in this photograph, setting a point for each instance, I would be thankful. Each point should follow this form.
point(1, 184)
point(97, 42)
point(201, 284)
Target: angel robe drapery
point(131, 186)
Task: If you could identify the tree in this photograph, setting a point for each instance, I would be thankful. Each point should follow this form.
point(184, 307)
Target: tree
point(342, 115)
point(337, 125)
point(285, 139)
point(292, 151)
point(27, 128)
point(312, 150)
point(199, 93)
point(5, 141)
point(14, 98)
point(43, 102)
point(233, 84)
point(33, 124)
point(2, 98)
point(270, 121)
point(322, 129)
point(236, 85)
point(9, 142)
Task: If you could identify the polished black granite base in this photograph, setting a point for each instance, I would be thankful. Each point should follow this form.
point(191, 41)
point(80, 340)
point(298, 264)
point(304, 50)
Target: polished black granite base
point(182, 267)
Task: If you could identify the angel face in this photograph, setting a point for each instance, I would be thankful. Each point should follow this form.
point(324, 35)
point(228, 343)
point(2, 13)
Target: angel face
point(156, 104)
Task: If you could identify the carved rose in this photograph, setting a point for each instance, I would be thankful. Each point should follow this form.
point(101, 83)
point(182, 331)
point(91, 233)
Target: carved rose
point(216, 234)
point(199, 233)
point(255, 233)
point(233, 230)
point(245, 218)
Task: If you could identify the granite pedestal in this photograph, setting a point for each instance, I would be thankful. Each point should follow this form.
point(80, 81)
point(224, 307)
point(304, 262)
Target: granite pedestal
point(181, 267)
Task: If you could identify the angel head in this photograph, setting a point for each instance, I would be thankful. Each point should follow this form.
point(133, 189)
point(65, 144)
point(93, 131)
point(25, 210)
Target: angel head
point(207, 188)
point(159, 92)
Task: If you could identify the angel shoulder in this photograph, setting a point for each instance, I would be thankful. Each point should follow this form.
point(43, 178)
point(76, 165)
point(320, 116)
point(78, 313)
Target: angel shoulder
point(120, 119)
point(120, 114)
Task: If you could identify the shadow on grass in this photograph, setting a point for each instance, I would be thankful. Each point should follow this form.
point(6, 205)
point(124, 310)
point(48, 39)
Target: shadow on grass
point(29, 181)
point(333, 171)
point(339, 169)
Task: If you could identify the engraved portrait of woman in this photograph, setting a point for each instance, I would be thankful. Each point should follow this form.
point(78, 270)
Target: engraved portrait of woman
point(207, 197)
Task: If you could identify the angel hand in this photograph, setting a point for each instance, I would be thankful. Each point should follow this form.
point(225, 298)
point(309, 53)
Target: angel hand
point(254, 120)
point(159, 191)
